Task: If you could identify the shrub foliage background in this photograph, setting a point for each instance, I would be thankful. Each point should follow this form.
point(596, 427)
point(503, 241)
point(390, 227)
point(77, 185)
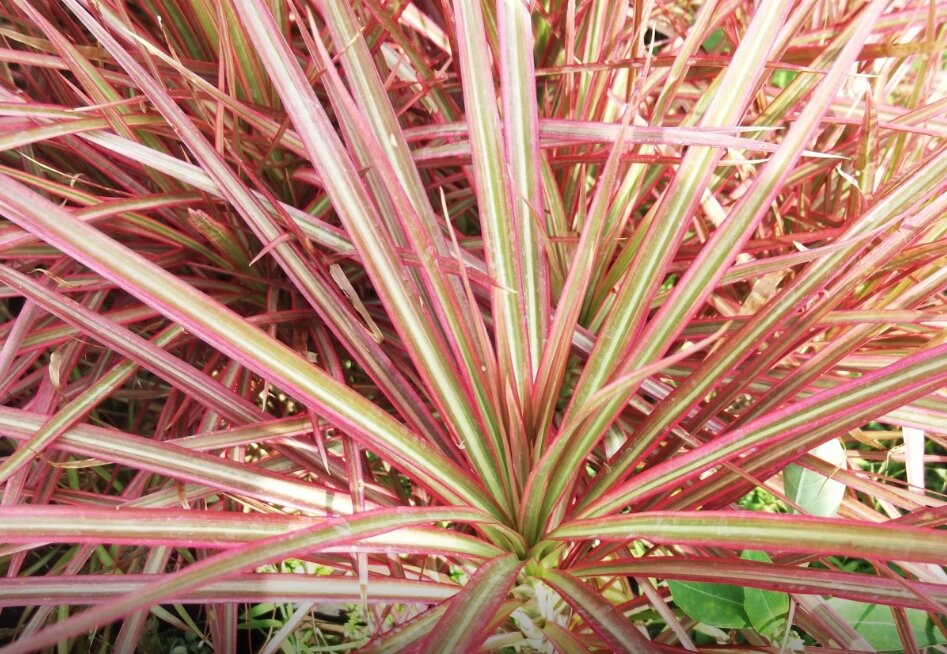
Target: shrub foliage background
point(563, 325)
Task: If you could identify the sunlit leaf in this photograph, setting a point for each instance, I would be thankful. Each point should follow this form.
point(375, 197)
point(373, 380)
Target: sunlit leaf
point(815, 493)
point(876, 624)
point(453, 325)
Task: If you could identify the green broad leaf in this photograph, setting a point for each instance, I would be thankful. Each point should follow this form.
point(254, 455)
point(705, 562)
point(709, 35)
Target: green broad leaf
point(715, 41)
point(718, 605)
point(766, 609)
point(782, 78)
point(734, 607)
point(817, 494)
point(875, 623)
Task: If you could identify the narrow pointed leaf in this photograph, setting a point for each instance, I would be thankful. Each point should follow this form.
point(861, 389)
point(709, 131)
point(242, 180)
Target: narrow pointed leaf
point(335, 531)
point(791, 579)
point(255, 588)
point(462, 627)
point(602, 617)
point(766, 532)
point(225, 330)
point(501, 231)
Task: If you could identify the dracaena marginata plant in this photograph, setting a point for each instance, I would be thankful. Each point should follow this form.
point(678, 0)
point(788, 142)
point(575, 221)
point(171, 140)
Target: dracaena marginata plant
point(462, 325)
